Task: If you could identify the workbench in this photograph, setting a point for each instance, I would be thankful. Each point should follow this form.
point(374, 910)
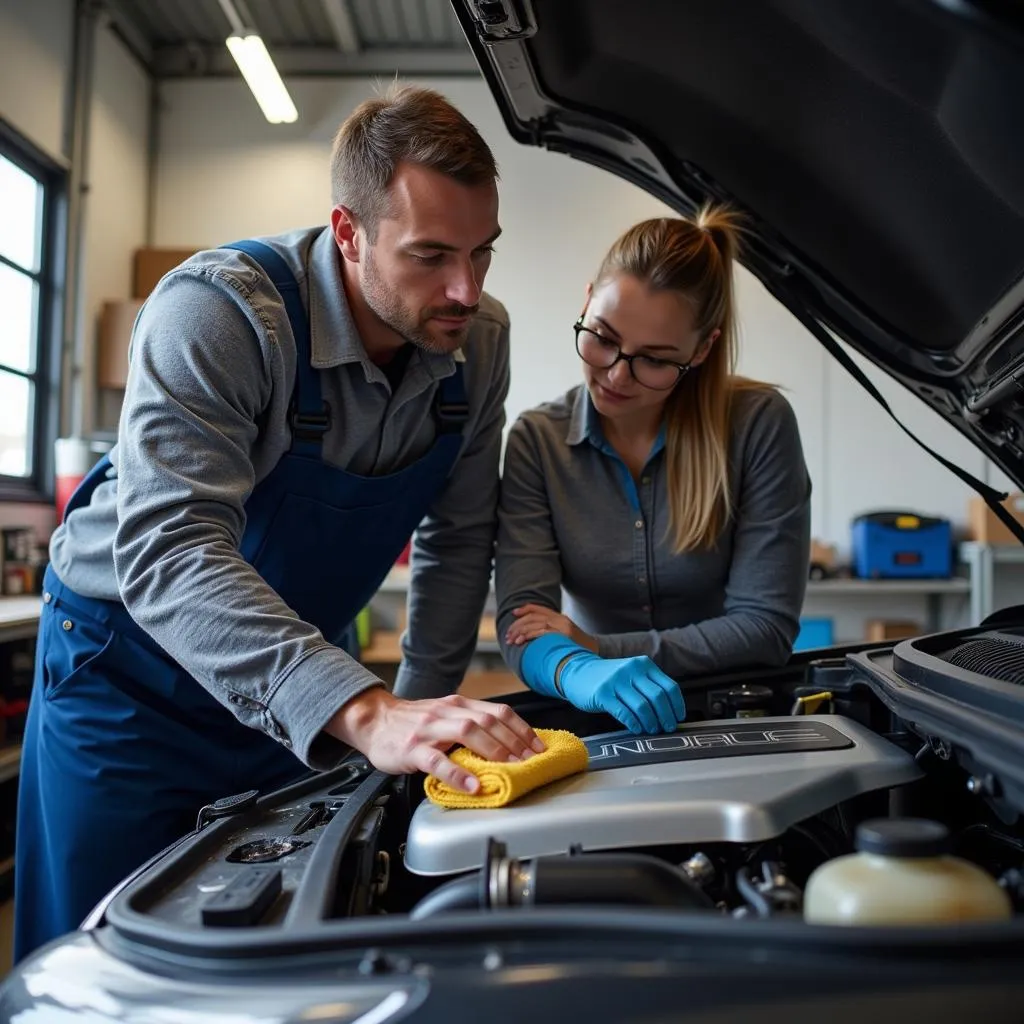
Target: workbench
point(19, 617)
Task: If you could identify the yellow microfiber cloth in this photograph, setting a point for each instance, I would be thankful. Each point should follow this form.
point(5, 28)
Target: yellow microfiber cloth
point(503, 782)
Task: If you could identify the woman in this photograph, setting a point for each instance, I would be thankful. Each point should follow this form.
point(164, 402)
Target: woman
point(667, 499)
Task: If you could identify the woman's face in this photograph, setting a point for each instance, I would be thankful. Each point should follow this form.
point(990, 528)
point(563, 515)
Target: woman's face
point(623, 314)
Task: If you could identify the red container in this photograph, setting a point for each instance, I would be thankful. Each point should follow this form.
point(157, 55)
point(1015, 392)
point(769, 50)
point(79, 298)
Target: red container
point(72, 460)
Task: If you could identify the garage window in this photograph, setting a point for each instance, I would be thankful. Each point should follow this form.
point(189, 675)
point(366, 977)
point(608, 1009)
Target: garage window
point(31, 200)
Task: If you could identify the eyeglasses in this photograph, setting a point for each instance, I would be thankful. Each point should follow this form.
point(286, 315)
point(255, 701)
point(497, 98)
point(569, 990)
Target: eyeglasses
point(602, 353)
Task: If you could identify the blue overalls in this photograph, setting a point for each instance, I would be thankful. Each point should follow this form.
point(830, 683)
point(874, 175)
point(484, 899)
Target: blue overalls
point(122, 747)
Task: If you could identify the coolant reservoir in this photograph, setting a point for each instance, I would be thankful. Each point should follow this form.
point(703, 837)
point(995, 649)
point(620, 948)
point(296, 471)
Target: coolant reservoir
point(901, 874)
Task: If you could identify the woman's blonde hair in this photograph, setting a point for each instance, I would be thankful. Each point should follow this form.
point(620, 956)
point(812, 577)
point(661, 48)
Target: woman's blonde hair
point(694, 258)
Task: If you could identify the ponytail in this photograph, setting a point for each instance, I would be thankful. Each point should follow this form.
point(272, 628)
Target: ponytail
point(694, 258)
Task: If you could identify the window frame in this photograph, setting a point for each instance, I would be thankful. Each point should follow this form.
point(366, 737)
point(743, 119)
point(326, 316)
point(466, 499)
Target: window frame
point(39, 485)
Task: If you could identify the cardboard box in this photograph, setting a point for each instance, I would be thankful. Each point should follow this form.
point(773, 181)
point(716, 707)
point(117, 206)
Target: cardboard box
point(115, 333)
point(983, 525)
point(879, 631)
point(151, 264)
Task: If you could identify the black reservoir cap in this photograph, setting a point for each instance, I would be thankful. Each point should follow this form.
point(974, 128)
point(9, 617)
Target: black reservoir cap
point(902, 837)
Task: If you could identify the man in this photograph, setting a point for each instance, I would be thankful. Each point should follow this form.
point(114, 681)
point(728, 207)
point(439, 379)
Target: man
point(294, 409)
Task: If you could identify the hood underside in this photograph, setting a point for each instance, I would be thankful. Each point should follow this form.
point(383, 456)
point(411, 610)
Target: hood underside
point(875, 147)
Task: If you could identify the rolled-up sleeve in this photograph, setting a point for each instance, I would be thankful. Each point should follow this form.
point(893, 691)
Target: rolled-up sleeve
point(201, 375)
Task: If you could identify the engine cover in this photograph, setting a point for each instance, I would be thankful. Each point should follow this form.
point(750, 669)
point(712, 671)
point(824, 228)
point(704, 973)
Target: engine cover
point(735, 781)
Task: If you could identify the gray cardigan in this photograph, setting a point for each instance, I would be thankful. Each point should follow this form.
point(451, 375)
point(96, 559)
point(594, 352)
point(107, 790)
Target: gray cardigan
point(573, 523)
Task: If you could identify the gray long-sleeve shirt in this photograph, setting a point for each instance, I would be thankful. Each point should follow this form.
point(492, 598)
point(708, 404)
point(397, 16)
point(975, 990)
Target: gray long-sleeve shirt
point(573, 524)
point(205, 418)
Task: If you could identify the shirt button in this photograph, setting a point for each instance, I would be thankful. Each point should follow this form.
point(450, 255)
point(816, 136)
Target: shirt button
point(647, 607)
point(645, 480)
point(47, 597)
point(641, 579)
point(639, 524)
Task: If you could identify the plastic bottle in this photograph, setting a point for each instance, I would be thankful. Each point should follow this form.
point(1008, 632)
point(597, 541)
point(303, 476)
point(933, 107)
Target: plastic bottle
point(902, 874)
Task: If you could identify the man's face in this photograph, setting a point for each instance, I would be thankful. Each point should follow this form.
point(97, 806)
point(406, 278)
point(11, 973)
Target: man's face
point(424, 273)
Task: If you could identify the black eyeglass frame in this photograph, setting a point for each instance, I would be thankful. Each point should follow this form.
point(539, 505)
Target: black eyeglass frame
point(682, 368)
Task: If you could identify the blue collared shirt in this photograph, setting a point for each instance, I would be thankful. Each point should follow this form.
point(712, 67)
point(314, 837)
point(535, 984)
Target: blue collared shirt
point(594, 433)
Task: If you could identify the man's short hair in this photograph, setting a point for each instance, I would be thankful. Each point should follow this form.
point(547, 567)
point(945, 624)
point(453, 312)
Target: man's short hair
point(406, 124)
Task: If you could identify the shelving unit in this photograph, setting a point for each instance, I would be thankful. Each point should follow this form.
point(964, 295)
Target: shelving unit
point(981, 560)
point(934, 591)
point(385, 644)
point(19, 620)
point(19, 617)
point(866, 588)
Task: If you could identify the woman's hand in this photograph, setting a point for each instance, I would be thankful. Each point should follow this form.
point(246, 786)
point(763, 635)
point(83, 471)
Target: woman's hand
point(534, 620)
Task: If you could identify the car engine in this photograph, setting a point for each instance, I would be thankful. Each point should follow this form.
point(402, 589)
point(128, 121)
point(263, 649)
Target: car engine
point(743, 809)
point(740, 783)
point(774, 776)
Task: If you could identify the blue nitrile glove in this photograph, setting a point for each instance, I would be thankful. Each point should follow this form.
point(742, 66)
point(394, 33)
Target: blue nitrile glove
point(633, 690)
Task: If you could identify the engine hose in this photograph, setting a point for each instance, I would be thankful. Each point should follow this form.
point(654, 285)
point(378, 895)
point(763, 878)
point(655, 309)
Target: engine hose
point(632, 879)
point(750, 892)
point(461, 894)
point(597, 879)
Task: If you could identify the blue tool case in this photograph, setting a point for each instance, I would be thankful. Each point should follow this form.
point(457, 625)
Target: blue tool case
point(902, 545)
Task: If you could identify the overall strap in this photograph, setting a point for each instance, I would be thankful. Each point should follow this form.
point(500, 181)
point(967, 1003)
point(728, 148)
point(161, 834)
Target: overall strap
point(451, 407)
point(310, 416)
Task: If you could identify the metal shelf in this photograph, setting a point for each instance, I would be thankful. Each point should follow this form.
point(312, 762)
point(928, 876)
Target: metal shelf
point(982, 559)
point(932, 590)
point(397, 582)
point(19, 617)
point(955, 585)
point(978, 560)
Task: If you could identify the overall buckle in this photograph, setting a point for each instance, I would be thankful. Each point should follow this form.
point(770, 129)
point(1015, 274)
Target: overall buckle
point(451, 416)
point(307, 426)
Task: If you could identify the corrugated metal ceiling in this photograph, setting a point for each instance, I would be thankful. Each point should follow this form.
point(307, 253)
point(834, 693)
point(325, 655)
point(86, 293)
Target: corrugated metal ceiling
point(186, 37)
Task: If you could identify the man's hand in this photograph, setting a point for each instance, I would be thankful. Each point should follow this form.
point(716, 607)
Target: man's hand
point(533, 620)
point(400, 736)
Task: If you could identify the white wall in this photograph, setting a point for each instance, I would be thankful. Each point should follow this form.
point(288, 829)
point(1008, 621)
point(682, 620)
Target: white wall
point(35, 74)
point(224, 172)
point(115, 223)
point(36, 50)
point(35, 67)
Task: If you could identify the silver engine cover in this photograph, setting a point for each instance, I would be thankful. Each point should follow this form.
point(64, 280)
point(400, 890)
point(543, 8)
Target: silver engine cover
point(735, 781)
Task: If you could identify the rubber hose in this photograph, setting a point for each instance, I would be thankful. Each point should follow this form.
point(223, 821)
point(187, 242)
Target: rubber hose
point(747, 889)
point(632, 879)
point(460, 894)
point(597, 879)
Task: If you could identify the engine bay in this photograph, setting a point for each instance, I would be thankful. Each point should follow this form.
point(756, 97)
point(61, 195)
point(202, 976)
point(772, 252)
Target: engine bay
point(744, 781)
point(772, 778)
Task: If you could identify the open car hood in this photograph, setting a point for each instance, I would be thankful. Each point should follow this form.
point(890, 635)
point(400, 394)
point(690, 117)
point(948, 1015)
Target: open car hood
point(875, 147)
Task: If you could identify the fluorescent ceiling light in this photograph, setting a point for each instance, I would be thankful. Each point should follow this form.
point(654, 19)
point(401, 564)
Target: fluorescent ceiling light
point(261, 75)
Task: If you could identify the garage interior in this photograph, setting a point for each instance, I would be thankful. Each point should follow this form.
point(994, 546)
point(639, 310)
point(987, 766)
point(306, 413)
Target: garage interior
point(131, 123)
